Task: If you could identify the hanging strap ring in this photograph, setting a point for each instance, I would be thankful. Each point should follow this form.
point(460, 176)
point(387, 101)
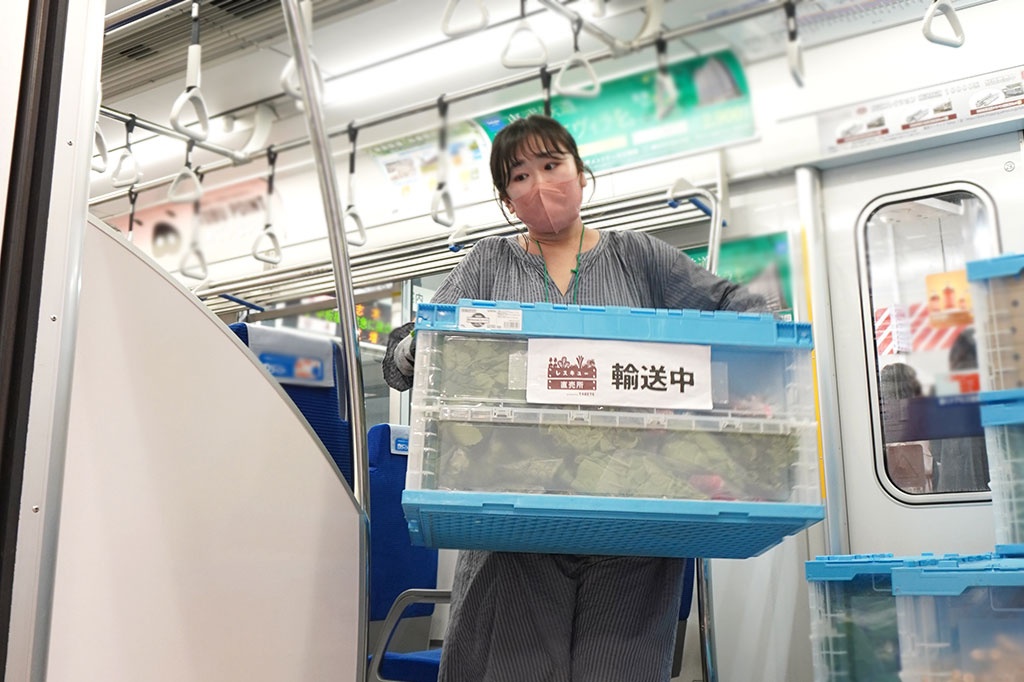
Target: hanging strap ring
point(945, 8)
point(192, 94)
point(186, 186)
point(794, 52)
point(442, 197)
point(100, 145)
point(271, 254)
point(589, 88)
point(666, 93)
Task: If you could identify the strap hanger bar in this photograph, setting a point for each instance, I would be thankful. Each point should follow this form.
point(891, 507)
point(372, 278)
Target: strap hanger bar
point(359, 238)
point(271, 255)
point(236, 157)
point(192, 93)
point(442, 198)
point(468, 93)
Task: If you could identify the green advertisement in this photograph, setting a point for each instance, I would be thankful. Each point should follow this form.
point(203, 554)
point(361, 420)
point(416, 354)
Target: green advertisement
point(760, 263)
point(621, 126)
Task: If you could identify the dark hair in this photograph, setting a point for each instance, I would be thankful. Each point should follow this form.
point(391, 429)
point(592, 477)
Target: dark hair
point(898, 381)
point(536, 134)
point(963, 354)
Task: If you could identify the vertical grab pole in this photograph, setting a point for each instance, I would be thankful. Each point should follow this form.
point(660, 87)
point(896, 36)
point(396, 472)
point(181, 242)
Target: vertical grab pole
point(705, 598)
point(328, 179)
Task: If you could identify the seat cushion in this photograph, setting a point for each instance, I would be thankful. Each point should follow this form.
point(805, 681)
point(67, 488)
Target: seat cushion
point(416, 666)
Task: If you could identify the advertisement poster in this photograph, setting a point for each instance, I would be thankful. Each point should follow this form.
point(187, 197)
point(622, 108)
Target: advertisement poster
point(228, 217)
point(621, 126)
point(957, 105)
point(760, 263)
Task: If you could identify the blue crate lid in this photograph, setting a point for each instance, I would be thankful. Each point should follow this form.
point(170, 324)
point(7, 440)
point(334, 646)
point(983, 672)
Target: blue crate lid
point(951, 576)
point(1008, 395)
point(1015, 550)
point(614, 526)
point(721, 327)
point(846, 567)
point(1002, 414)
point(1008, 265)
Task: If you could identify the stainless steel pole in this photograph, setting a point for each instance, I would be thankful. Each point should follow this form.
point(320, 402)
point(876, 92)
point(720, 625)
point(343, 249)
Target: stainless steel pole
point(328, 179)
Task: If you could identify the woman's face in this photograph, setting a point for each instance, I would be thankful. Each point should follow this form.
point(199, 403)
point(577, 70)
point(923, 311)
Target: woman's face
point(529, 169)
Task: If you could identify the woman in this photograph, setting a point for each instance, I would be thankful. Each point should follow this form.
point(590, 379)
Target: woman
point(562, 618)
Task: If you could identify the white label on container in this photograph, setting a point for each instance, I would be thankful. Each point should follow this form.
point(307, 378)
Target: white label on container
point(619, 373)
point(490, 318)
point(517, 371)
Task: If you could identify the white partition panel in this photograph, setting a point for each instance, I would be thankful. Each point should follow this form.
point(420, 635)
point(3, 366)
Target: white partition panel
point(205, 534)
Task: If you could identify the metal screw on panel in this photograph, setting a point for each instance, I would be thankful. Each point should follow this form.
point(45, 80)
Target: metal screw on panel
point(53, 318)
point(70, 143)
point(1009, 166)
point(35, 508)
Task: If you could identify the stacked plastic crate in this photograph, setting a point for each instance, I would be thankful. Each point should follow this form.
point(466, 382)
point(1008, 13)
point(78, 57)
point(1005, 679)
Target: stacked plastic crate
point(617, 431)
point(958, 618)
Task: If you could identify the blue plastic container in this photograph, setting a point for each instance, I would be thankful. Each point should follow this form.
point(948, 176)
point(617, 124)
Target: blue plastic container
point(554, 428)
point(961, 618)
point(997, 296)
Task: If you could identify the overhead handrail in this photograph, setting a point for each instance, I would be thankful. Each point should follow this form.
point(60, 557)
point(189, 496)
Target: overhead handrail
point(193, 263)
point(186, 186)
point(666, 93)
point(682, 190)
point(99, 144)
point(472, 27)
point(442, 198)
point(261, 253)
point(535, 55)
point(290, 75)
point(127, 172)
point(236, 157)
point(944, 7)
point(794, 52)
point(751, 12)
point(359, 239)
point(578, 60)
point(192, 94)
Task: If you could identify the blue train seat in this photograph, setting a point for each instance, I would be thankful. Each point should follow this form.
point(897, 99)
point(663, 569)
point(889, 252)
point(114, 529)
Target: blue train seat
point(310, 369)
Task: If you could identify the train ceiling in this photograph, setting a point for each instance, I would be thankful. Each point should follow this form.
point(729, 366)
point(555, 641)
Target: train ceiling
point(150, 51)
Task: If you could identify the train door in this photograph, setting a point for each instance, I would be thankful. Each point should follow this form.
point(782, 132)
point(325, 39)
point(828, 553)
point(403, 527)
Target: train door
point(898, 233)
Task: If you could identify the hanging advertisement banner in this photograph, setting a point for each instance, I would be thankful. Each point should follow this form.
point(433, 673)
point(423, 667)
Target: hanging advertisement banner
point(940, 109)
point(621, 126)
point(761, 263)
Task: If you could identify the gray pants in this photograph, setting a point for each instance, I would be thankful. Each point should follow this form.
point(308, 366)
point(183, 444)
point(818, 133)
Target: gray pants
point(561, 618)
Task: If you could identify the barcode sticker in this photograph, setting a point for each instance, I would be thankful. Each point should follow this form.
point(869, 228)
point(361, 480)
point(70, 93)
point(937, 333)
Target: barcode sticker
point(489, 318)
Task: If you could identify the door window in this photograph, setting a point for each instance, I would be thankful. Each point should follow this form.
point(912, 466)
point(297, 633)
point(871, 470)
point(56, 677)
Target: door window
point(921, 327)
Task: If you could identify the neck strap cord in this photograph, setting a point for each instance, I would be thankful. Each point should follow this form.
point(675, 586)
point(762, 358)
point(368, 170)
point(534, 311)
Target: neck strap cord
point(575, 272)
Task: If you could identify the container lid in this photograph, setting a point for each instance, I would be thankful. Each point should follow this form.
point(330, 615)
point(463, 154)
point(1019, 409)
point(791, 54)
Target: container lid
point(849, 566)
point(1002, 414)
point(1009, 265)
point(1014, 550)
point(720, 327)
point(952, 576)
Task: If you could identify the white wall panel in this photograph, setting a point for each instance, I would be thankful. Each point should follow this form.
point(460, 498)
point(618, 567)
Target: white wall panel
point(205, 533)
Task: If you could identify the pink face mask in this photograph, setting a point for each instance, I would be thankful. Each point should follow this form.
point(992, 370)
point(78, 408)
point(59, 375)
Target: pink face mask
point(549, 208)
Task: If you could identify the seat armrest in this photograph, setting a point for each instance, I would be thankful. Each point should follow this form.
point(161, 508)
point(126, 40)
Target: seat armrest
point(404, 600)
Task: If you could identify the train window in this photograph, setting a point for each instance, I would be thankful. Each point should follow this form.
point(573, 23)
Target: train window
point(921, 318)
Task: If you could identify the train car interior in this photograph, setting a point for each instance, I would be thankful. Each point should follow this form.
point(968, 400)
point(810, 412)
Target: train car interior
point(222, 209)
